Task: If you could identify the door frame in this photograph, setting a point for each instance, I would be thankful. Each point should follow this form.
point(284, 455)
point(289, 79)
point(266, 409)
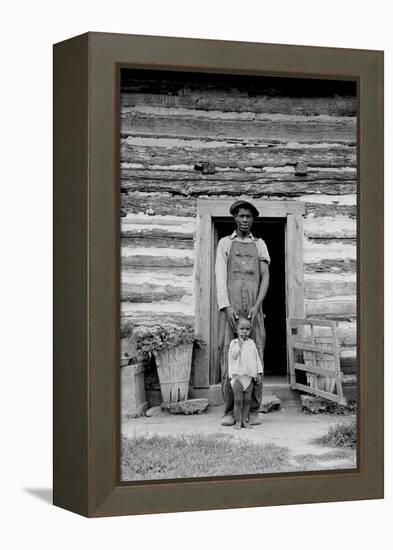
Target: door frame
point(292, 213)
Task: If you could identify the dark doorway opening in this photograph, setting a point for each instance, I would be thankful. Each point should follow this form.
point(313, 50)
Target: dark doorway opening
point(272, 231)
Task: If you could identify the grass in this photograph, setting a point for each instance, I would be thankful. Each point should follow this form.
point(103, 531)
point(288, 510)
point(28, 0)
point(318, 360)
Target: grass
point(339, 458)
point(342, 434)
point(197, 455)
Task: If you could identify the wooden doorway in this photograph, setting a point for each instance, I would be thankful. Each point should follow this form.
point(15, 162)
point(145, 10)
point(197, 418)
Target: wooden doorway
point(272, 231)
point(281, 226)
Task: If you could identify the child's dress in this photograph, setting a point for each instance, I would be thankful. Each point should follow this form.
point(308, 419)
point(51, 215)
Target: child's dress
point(245, 364)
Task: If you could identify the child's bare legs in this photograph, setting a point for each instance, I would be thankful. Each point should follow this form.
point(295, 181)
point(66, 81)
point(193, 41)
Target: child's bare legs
point(241, 406)
point(237, 403)
point(246, 406)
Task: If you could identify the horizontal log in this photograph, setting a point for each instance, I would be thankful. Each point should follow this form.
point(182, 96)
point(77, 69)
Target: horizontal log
point(234, 100)
point(183, 114)
point(349, 379)
point(334, 316)
point(289, 187)
point(153, 231)
point(316, 251)
point(344, 309)
point(319, 289)
point(144, 261)
point(156, 257)
point(171, 276)
point(331, 266)
point(211, 142)
point(169, 223)
point(316, 210)
point(178, 84)
point(331, 277)
point(339, 200)
point(338, 227)
point(240, 156)
point(150, 251)
point(347, 335)
point(158, 203)
point(157, 242)
point(180, 307)
point(174, 271)
point(145, 121)
point(349, 352)
point(146, 286)
point(131, 174)
point(147, 292)
point(321, 241)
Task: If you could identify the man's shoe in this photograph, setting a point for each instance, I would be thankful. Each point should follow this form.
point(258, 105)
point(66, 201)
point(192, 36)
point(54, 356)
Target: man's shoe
point(228, 420)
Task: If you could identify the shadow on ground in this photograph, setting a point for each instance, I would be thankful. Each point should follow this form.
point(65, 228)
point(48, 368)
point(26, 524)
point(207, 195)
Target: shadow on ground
point(46, 495)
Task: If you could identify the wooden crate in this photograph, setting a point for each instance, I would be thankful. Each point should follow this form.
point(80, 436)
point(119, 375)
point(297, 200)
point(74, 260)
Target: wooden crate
point(132, 390)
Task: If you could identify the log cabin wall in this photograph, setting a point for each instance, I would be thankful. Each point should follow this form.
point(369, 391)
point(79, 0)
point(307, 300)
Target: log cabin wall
point(279, 139)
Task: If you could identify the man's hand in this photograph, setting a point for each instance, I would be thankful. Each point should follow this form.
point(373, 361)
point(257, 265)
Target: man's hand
point(258, 379)
point(232, 316)
point(252, 314)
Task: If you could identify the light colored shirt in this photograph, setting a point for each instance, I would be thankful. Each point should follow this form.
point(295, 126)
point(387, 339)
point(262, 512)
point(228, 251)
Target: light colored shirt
point(223, 249)
point(244, 360)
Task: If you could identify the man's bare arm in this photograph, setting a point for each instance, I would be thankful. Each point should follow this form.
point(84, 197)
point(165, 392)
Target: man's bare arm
point(263, 288)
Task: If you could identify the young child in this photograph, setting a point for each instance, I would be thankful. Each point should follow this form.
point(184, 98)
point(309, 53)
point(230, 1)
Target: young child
point(244, 367)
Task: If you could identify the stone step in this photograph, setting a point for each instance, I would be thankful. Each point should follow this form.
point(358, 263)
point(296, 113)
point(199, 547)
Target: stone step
point(189, 406)
point(213, 394)
point(272, 386)
point(281, 389)
point(270, 403)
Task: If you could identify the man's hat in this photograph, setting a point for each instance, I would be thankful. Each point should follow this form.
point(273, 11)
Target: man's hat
point(243, 204)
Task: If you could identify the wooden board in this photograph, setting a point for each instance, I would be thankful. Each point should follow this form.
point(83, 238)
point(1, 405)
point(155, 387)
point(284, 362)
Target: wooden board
point(294, 266)
point(267, 209)
point(202, 290)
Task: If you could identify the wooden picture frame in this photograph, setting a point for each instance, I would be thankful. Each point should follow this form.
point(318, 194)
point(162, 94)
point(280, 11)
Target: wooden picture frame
point(86, 273)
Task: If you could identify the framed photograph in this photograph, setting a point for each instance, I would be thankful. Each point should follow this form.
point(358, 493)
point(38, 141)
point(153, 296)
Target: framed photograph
point(218, 274)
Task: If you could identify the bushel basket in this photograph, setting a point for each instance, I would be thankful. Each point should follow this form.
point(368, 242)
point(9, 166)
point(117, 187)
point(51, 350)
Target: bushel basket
point(174, 369)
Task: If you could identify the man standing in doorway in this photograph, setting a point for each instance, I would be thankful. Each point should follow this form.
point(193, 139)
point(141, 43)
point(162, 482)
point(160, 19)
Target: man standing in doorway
point(242, 277)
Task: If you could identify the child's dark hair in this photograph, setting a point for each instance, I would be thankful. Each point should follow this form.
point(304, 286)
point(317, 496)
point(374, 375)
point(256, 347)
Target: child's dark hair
point(243, 317)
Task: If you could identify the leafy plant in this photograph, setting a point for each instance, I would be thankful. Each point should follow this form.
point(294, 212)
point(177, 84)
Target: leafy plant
point(152, 340)
point(343, 434)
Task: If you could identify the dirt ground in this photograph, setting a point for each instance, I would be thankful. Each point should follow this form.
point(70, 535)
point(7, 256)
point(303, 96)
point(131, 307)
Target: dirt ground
point(288, 427)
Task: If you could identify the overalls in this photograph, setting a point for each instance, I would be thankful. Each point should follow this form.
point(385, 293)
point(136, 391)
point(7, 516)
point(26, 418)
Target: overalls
point(243, 281)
